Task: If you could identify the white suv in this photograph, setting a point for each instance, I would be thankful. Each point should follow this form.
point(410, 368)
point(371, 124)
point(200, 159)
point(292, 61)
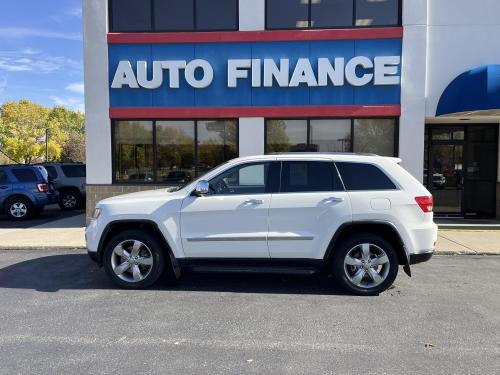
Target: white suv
point(357, 216)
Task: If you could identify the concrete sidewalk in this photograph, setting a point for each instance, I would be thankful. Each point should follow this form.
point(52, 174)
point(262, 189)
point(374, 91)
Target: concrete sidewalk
point(69, 233)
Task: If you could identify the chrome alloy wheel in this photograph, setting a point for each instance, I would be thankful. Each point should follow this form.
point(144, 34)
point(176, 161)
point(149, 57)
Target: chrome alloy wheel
point(132, 261)
point(366, 265)
point(69, 201)
point(18, 210)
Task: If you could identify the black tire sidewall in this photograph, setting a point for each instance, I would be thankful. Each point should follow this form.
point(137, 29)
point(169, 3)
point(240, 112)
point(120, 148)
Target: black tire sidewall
point(348, 244)
point(157, 252)
point(26, 202)
point(78, 200)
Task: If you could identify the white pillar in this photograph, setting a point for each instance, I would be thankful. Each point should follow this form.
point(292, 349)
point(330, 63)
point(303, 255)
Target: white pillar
point(251, 138)
point(97, 122)
point(252, 15)
point(413, 86)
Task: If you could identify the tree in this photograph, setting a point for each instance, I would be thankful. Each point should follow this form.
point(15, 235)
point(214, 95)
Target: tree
point(74, 149)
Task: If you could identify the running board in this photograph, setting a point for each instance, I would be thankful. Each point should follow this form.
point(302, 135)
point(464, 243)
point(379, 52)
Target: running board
point(254, 270)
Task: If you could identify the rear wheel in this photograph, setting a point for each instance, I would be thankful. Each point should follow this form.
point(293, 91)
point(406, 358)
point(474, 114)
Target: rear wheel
point(365, 264)
point(134, 259)
point(70, 200)
point(18, 208)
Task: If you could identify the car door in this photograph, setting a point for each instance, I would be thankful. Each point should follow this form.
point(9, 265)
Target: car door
point(5, 186)
point(309, 208)
point(230, 221)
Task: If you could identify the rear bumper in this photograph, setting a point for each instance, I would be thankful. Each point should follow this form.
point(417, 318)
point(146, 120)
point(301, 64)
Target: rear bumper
point(421, 257)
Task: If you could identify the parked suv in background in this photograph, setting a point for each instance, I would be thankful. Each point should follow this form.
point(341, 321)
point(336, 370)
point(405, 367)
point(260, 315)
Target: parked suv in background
point(357, 216)
point(24, 191)
point(69, 181)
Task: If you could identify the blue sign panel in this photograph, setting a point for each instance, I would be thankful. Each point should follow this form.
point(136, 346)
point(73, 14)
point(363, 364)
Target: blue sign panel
point(344, 72)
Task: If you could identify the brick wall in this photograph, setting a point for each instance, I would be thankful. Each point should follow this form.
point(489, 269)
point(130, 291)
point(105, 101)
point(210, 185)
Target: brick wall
point(95, 193)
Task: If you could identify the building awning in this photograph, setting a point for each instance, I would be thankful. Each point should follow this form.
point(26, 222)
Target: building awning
point(475, 90)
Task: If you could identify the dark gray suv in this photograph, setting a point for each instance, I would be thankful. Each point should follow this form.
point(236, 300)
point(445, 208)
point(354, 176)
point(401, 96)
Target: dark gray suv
point(69, 180)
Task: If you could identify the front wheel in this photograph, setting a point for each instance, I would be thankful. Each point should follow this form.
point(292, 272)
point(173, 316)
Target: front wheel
point(19, 209)
point(134, 259)
point(365, 264)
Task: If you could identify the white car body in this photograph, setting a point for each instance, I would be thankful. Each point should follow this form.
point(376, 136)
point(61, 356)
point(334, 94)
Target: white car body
point(275, 226)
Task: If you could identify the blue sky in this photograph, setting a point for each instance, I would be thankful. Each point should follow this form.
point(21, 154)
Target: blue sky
point(41, 52)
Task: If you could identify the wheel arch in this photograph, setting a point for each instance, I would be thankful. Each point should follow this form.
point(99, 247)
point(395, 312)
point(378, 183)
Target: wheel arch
point(17, 195)
point(118, 226)
point(385, 229)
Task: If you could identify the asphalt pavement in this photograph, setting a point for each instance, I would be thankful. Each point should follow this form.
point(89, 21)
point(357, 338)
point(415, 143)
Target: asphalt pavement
point(50, 214)
point(61, 315)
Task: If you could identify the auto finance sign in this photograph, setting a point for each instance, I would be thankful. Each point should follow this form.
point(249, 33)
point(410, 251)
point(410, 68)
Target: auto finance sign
point(361, 72)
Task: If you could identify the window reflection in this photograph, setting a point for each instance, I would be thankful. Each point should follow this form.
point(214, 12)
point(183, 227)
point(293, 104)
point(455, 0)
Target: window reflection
point(375, 136)
point(217, 143)
point(330, 135)
point(286, 135)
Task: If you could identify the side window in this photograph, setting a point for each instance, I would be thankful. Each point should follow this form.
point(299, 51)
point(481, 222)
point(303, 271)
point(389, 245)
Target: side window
point(4, 179)
point(73, 171)
point(360, 176)
point(24, 175)
point(243, 179)
point(51, 171)
point(309, 176)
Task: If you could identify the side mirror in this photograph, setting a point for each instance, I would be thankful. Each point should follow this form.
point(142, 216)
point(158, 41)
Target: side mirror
point(202, 188)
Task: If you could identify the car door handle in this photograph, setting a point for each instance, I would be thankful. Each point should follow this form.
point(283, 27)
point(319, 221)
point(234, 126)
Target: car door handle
point(333, 200)
point(253, 201)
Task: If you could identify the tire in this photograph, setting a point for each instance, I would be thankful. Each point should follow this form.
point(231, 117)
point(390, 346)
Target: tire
point(134, 273)
point(356, 272)
point(70, 200)
point(19, 208)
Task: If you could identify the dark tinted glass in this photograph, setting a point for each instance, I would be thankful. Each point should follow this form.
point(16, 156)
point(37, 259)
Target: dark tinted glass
point(377, 12)
point(286, 135)
point(309, 176)
point(174, 15)
point(331, 13)
point(287, 14)
point(24, 175)
point(130, 15)
point(51, 171)
point(243, 179)
point(73, 171)
point(216, 15)
point(375, 136)
point(175, 151)
point(360, 176)
point(134, 151)
point(217, 143)
point(4, 179)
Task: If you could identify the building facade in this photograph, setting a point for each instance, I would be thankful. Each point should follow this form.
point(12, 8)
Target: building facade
point(175, 87)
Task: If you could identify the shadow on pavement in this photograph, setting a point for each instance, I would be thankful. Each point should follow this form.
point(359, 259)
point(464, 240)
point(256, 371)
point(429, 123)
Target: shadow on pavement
point(77, 271)
point(49, 215)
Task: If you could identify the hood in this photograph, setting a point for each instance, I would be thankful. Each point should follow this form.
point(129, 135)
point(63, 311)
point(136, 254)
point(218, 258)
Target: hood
point(147, 195)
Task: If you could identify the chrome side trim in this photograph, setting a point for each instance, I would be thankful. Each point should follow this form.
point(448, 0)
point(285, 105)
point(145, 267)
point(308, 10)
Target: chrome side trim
point(290, 238)
point(225, 239)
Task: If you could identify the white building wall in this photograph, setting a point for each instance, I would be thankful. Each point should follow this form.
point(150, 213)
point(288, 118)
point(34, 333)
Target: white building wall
point(97, 122)
point(251, 136)
point(412, 120)
point(252, 15)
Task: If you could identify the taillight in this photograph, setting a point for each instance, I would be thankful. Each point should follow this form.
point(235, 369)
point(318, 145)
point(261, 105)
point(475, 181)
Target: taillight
point(42, 188)
point(425, 203)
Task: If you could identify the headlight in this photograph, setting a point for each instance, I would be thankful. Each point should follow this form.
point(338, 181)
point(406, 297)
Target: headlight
point(97, 213)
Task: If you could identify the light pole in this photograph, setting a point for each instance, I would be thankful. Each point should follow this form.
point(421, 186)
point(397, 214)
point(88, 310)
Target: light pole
point(46, 145)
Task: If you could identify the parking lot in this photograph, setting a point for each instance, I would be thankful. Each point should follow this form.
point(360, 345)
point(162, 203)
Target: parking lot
point(62, 315)
point(50, 214)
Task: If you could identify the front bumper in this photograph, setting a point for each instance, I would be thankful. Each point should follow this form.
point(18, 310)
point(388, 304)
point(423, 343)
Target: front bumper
point(93, 256)
point(421, 257)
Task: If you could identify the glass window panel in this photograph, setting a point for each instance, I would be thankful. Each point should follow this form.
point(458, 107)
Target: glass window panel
point(4, 179)
point(217, 143)
point(375, 136)
point(286, 135)
point(243, 179)
point(174, 15)
point(330, 135)
point(74, 171)
point(377, 12)
point(131, 15)
point(216, 15)
point(309, 176)
point(287, 14)
point(134, 151)
point(360, 176)
point(175, 152)
point(52, 171)
point(24, 175)
point(441, 134)
point(331, 13)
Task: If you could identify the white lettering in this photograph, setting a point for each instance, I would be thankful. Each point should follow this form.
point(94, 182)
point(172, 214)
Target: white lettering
point(256, 73)
point(350, 71)
point(173, 67)
point(386, 70)
point(280, 74)
point(328, 72)
point(142, 75)
point(124, 76)
point(208, 74)
point(237, 69)
point(303, 73)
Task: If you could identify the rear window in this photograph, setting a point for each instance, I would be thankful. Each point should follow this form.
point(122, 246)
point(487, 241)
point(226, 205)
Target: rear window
point(74, 170)
point(360, 176)
point(51, 171)
point(25, 175)
point(309, 176)
point(3, 177)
